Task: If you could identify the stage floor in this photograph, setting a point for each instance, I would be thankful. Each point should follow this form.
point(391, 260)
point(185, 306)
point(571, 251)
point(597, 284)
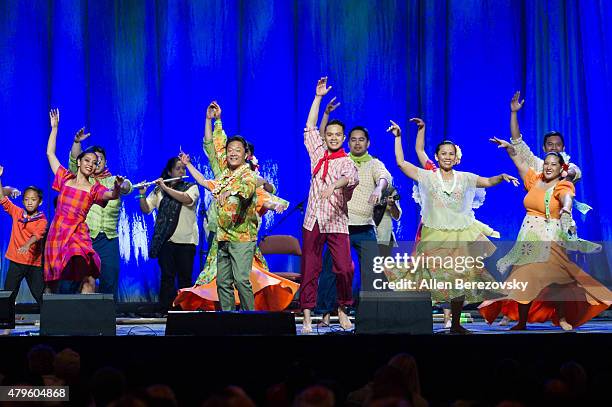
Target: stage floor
point(28, 325)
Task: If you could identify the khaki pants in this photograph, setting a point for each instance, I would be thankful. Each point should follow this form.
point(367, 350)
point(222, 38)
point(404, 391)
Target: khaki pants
point(234, 262)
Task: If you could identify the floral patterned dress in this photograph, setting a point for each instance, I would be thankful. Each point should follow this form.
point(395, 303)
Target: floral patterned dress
point(450, 234)
point(539, 258)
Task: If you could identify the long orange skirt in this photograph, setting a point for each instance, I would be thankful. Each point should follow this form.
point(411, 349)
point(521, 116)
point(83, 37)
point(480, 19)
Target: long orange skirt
point(557, 282)
point(272, 293)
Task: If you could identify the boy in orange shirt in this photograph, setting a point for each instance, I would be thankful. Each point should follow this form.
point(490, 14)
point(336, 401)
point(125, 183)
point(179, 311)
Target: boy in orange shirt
point(25, 249)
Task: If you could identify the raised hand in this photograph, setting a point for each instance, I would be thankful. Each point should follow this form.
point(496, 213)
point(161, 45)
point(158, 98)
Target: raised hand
point(54, 116)
point(331, 106)
point(500, 143)
point(510, 178)
point(419, 122)
point(185, 159)
point(211, 111)
point(1, 170)
point(216, 109)
point(81, 135)
point(15, 193)
point(394, 129)
point(515, 105)
point(322, 88)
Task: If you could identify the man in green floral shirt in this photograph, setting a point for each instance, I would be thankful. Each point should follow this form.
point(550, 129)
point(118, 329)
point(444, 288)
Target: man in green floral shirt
point(237, 226)
point(102, 222)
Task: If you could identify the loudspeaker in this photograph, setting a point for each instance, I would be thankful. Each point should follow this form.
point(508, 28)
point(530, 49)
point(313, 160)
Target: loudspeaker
point(7, 310)
point(78, 314)
point(394, 312)
point(211, 323)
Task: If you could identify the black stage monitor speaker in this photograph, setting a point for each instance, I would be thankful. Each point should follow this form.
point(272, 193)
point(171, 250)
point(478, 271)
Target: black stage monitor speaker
point(394, 312)
point(210, 323)
point(78, 314)
point(7, 310)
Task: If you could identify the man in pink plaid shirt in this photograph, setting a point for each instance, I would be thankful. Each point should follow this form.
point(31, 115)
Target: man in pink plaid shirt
point(334, 176)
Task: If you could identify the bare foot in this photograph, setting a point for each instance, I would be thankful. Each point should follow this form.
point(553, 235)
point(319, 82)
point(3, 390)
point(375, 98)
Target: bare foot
point(565, 325)
point(307, 323)
point(460, 330)
point(325, 320)
point(343, 319)
point(504, 321)
point(519, 327)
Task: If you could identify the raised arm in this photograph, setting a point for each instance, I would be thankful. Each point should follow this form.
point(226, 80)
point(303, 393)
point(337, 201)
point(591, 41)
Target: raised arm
point(54, 116)
point(195, 173)
point(211, 113)
point(321, 91)
point(419, 144)
point(483, 182)
point(331, 106)
point(521, 165)
point(76, 145)
point(407, 168)
point(515, 106)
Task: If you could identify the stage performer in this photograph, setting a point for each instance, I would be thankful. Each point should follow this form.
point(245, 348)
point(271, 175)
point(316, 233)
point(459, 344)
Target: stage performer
point(69, 254)
point(24, 251)
point(334, 176)
point(553, 142)
point(556, 288)
point(478, 200)
point(449, 228)
point(102, 222)
point(271, 292)
point(373, 179)
point(176, 231)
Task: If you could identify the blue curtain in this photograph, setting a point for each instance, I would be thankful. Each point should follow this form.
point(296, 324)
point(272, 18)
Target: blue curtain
point(139, 74)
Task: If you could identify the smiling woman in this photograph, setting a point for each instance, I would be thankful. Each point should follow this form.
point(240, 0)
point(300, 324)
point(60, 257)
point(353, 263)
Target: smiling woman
point(69, 254)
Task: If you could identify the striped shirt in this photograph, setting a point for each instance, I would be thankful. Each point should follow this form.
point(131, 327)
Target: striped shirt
point(331, 213)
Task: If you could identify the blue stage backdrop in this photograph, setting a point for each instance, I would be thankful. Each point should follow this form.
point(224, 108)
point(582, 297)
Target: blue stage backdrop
point(139, 75)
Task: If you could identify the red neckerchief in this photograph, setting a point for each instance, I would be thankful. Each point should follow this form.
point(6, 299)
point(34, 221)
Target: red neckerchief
point(104, 174)
point(325, 160)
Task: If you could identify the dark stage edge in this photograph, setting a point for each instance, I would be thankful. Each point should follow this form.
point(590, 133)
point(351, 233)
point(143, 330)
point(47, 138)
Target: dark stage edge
point(197, 366)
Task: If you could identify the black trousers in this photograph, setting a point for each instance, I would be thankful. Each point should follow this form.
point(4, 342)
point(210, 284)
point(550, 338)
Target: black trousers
point(33, 275)
point(175, 260)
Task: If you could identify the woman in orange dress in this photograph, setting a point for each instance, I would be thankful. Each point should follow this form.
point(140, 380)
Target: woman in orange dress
point(557, 289)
